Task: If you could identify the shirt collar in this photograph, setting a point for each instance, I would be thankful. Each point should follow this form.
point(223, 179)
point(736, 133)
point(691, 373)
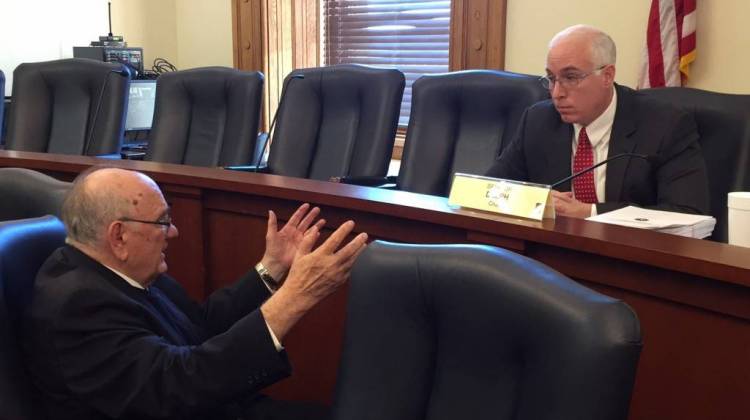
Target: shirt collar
point(598, 128)
point(126, 278)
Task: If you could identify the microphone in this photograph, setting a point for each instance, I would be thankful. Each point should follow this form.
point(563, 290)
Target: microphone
point(275, 116)
point(647, 158)
point(122, 71)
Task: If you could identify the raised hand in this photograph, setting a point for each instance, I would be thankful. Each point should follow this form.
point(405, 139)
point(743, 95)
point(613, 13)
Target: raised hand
point(282, 245)
point(316, 274)
point(313, 276)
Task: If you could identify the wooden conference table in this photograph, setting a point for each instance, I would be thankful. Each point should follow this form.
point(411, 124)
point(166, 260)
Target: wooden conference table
point(692, 296)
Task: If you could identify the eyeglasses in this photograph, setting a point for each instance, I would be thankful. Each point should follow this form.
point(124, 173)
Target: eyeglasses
point(165, 220)
point(567, 80)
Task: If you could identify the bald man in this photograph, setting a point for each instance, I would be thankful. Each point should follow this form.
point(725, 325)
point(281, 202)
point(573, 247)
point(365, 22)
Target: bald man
point(590, 118)
point(110, 335)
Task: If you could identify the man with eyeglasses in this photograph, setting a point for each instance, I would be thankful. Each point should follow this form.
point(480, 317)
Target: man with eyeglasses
point(110, 335)
point(590, 118)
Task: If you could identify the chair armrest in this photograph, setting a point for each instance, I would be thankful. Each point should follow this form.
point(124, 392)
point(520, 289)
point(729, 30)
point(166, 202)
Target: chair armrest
point(367, 181)
point(133, 154)
point(114, 156)
point(248, 168)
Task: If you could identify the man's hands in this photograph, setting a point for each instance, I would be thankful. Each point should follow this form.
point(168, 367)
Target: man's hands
point(567, 205)
point(282, 245)
point(313, 276)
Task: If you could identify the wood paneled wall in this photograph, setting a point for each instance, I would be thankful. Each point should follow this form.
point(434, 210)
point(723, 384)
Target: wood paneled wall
point(275, 37)
point(477, 34)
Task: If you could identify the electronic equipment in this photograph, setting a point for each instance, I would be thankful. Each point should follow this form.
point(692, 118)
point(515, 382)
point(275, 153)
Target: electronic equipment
point(138, 119)
point(130, 56)
point(141, 101)
point(112, 49)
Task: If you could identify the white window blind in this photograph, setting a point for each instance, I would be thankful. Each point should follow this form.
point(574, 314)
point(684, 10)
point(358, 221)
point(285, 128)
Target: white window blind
point(411, 36)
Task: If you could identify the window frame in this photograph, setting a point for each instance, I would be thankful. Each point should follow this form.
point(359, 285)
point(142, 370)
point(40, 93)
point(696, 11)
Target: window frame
point(278, 36)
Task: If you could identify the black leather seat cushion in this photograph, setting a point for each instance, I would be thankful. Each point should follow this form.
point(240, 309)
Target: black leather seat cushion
point(337, 121)
point(54, 104)
point(475, 332)
point(460, 122)
point(26, 193)
point(24, 246)
point(724, 127)
point(206, 117)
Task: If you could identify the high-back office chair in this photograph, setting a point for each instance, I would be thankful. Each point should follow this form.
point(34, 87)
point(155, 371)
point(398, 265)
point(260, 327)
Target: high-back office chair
point(460, 122)
point(475, 332)
point(56, 107)
point(206, 117)
point(338, 120)
point(25, 193)
point(724, 126)
point(24, 245)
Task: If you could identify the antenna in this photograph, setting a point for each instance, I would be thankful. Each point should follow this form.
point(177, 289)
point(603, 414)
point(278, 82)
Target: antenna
point(109, 12)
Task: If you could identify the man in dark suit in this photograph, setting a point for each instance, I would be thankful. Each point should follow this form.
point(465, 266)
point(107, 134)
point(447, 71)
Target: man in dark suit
point(590, 118)
point(109, 335)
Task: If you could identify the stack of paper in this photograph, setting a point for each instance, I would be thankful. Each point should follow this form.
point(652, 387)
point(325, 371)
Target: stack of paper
point(682, 224)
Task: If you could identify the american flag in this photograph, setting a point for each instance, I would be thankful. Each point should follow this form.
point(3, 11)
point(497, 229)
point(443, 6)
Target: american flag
point(670, 43)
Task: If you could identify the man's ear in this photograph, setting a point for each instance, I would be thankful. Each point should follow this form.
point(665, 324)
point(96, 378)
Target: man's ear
point(609, 74)
point(117, 238)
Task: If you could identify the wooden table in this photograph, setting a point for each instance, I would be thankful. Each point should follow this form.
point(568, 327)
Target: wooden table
point(692, 296)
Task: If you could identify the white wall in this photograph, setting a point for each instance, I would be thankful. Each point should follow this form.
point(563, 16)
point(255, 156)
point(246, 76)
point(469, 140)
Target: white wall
point(204, 33)
point(149, 24)
point(43, 30)
point(187, 33)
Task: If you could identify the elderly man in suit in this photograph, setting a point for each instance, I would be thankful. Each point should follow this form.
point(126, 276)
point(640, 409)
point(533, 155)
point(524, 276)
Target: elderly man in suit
point(110, 335)
point(590, 118)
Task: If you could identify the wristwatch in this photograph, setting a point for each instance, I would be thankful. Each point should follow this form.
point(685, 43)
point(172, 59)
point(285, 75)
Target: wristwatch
point(266, 276)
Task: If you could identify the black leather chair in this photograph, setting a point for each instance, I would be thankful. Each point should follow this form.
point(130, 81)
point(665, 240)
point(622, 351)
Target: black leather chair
point(460, 122)
point(24, 245)
point(55, 107)
point(337, 121)
point(25, 193)
point(724, 126)
point(206, 117)
point(475, 332)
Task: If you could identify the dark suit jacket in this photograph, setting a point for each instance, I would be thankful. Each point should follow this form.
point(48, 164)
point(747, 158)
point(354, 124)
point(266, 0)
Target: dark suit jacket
point(100, 348)
point(676, 181)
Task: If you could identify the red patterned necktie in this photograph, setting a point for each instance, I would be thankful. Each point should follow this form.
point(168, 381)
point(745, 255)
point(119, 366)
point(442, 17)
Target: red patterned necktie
point(583, 186)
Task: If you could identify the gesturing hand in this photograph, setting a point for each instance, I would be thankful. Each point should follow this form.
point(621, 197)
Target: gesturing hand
point(313, 276)
point(282, 245)
point(316, 274)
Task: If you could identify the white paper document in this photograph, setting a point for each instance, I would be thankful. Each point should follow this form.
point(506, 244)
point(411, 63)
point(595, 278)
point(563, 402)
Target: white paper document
point(691, 225)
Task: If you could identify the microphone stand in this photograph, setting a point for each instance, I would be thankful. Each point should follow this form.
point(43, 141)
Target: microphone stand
point(591, 168)
point(275, 116)
point(123, 71)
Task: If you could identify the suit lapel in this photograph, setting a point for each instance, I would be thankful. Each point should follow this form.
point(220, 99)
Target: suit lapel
point(622, 140)
point(177, 328)
point(561, 145)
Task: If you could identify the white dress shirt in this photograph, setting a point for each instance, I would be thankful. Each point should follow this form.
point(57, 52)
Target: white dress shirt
point(599, 132)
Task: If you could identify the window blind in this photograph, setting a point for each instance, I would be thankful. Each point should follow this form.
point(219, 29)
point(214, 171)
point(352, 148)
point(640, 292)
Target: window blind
point(411, 36)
